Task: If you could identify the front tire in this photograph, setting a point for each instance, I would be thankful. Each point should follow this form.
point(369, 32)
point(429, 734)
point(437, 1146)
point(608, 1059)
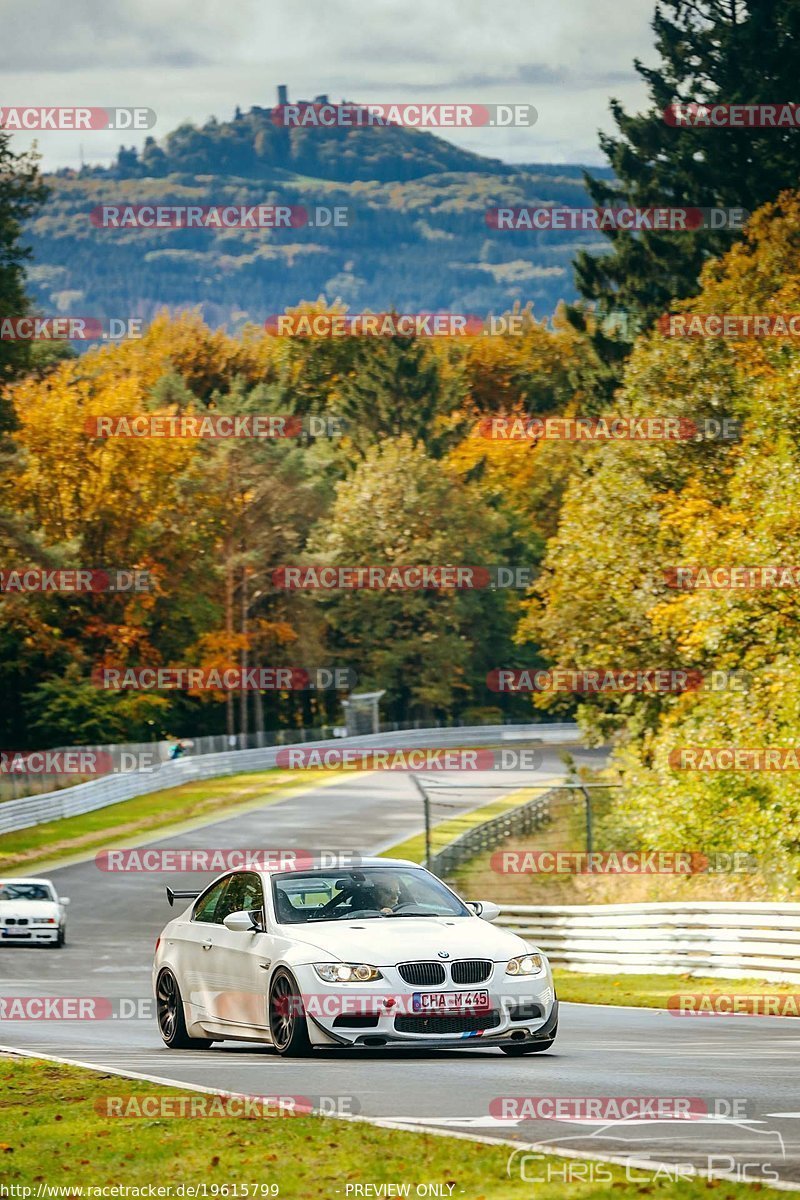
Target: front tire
point(171, 1020)
point(287, 1018)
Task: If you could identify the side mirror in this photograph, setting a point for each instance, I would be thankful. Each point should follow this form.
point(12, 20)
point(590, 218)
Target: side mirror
point(487, 910)
point(63, 899)
point(242, 922)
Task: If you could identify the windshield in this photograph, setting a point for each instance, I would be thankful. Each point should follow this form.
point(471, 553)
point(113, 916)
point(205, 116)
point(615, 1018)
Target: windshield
point(14, 890)
point(372, 892)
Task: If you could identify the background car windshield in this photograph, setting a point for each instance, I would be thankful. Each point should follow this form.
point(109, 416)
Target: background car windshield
point(25, 891)
point(371, 892)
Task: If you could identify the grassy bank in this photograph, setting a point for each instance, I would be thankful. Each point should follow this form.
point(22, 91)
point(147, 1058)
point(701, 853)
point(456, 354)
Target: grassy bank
point(157, 812)
point(446, 830)
point(566, 830)
point(660, 991)
point(55, 1133)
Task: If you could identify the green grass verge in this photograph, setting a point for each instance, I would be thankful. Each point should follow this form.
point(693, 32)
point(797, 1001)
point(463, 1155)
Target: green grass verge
point(446, 831)
point(53, 1134)
point(130, 819)
point(566, 830)
point(654, 991)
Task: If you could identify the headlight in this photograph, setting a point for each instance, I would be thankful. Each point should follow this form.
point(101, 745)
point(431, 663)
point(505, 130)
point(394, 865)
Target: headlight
point(347, 972)
point(526, 964)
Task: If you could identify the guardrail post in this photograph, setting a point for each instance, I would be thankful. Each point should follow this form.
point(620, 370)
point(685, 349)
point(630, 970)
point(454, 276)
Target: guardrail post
point(426, 805)
point(588, 800)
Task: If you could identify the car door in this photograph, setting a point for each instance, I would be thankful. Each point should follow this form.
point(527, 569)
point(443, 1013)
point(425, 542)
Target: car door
point(193, 942)
point(240, 961)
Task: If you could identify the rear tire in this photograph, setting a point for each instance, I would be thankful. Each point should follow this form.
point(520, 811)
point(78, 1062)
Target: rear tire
point(62, 937)
point(287, 1018)
point(171, 1021)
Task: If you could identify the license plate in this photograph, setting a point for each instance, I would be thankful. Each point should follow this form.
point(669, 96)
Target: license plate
point(14, 933)
point(437, 1002)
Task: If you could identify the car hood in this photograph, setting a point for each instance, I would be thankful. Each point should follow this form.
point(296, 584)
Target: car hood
point(32, 909)
point(384, 941)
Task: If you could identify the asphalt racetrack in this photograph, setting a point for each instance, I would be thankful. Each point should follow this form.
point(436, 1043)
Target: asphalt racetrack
point(744, 1068)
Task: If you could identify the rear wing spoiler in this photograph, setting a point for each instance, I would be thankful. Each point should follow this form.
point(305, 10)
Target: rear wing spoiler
point(173, 896)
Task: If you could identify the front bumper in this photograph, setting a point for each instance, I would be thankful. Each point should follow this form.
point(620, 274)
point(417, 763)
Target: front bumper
point(524, 1011)
point(25, 935)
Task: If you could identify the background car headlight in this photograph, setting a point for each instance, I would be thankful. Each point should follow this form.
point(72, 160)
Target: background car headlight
point(347, 972)
point(526, 964)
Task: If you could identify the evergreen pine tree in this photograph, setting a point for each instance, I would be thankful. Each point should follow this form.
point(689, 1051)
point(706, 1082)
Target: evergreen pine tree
point(395, 386)
point(712, 51)
point(21, 193)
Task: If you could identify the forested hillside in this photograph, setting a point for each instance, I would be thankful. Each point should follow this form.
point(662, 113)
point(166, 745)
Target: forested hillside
point(416, 237)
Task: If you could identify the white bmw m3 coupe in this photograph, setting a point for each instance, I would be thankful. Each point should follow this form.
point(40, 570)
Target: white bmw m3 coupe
point(381, 955)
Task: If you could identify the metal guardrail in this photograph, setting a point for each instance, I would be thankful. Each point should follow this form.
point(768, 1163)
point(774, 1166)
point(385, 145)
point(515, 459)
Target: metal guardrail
point(723, 939)
point(17, 783)
point(716, 939)
point(112, 789)
point(533, 814)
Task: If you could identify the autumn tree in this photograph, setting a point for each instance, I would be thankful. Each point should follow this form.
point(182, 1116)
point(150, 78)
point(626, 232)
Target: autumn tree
point(428, 649)
point(608, 597)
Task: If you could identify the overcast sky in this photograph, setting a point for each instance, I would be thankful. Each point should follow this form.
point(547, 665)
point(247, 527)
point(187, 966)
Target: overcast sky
point(189, 59)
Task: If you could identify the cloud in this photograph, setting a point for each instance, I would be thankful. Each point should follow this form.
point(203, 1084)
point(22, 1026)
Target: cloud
point(187, 59)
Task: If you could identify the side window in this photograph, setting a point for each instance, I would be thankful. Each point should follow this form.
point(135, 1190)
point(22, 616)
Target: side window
point(244, 893)
point(206, 907)
point(253, 894)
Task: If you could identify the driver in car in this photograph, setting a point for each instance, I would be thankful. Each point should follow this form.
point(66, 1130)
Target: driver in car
point(387, 894)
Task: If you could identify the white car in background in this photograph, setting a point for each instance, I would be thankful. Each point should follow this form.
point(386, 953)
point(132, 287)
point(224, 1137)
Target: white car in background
point(382, 955)
point(31, 912)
